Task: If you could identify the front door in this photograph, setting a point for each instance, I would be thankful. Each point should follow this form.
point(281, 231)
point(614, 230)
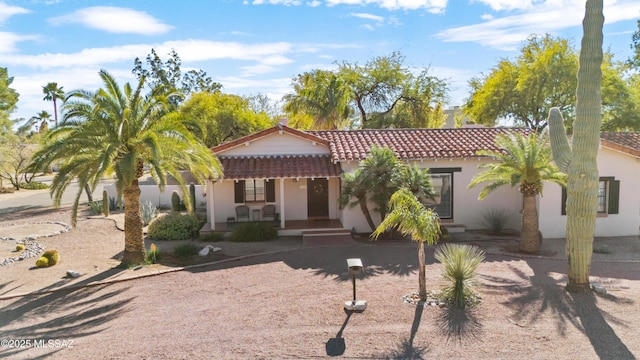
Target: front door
point(318, 198)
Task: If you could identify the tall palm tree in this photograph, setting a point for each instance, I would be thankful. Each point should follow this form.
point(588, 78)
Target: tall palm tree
point(524, 161)
point(121, 131)
point(379, 169)
point(52, 92)
point(411, 218)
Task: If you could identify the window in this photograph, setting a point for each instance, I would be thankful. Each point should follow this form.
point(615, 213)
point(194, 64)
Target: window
point(254, 190)
point(608, 196)
point(442, 179)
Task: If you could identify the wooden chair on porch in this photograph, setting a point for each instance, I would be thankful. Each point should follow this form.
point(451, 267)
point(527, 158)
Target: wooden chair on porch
point(242, 211)
point(269, 212)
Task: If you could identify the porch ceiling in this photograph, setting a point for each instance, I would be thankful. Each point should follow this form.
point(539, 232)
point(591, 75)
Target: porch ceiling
point(281, 166)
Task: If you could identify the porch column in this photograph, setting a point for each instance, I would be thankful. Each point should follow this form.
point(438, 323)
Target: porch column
point(282, 203)
point(211, 205)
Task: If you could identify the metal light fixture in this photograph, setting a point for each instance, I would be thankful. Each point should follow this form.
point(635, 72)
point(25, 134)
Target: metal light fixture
point(355, 268)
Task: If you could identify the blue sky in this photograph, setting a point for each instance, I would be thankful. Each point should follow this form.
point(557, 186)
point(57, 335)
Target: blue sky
point(258, 46)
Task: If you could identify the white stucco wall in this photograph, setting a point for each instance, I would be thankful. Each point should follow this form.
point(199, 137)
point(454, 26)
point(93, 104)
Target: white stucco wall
point(161, 199)
point(611, 163)
point(467, 209)
point(277, 144)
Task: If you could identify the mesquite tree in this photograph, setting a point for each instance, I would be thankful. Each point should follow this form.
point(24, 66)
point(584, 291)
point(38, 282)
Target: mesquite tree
point(579, 159)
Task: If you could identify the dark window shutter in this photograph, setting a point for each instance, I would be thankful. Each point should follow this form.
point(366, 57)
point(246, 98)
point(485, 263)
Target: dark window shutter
point(563, 204)
point(238, 188)
point(614, 196)
point(270, 189)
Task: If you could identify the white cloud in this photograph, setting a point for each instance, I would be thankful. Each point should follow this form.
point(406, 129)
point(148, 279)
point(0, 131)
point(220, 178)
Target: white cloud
point(8, 41)
point(368, 16)
point(507, 32)
point(499, 5)
point(7, 11)
point(114, 20)
point(434, 6)
point(278, 2)
point(486, 17)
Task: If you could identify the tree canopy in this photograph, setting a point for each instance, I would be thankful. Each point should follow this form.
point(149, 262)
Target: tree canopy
point(8, 101)
point(169, 74)
point(219, 117)
point(523, 90)
point(382, 93)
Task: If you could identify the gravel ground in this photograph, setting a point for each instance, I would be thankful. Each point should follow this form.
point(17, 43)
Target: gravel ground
point(288, 304)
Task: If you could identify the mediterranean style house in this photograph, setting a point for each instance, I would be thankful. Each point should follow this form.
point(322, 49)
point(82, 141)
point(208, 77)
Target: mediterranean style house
point(293, 178)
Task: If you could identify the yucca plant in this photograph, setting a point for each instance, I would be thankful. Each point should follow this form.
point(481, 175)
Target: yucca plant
point(460, 263)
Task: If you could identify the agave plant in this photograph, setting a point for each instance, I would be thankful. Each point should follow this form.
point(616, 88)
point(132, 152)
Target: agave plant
point(460, 264)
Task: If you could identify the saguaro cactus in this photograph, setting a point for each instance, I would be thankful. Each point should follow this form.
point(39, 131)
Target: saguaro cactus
point(175, 202)
point(192, 197)
point(105, 203)
point(579, 160)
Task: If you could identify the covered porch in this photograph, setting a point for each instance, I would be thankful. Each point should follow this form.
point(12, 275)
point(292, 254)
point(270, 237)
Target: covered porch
point(301, 191)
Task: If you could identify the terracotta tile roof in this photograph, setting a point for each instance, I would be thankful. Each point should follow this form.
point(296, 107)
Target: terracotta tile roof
point(282, 166)
point(411, 144)
point(266, 132)
point(627, 142)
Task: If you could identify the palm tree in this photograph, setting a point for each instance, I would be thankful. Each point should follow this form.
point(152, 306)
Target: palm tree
point(526, 162)
point(42, 118)
point(324, 96)
point(52, 92)
point(379, 169)
point(121, 131)
point(411, 218)
point(417, 180)
point(355, 185)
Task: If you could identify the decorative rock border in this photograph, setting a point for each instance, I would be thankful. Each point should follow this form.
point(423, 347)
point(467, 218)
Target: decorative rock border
point(32, 247)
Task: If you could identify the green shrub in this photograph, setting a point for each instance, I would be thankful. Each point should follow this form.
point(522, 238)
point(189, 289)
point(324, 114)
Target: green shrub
point(444, 234)
point(186, 250)
point(212, 237)
point(96, 206)
point(602, 249)
point(19, 247)
point(460, 263)
point(153, 255)
point(252, 232)
point(496, 220)
point(33, 185)
point(174, 227)
point(52, 256)
point(148, 211)
point(42, 262)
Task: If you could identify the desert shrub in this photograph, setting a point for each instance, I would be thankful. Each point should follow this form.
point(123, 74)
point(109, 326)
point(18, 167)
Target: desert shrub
point(496, 220)
point(53, 256)
point(602, 249)
point(153, 255)
point(174, 227)
point(33, 185)
point(7, 190)
point(42, 262)
point(444, 234)
point(212, 237)
point(460, 263)
point(96, 206)
point(185, 250)
point(113, 204)
point(253, 232)
point(148, 211)
point(19, 247)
